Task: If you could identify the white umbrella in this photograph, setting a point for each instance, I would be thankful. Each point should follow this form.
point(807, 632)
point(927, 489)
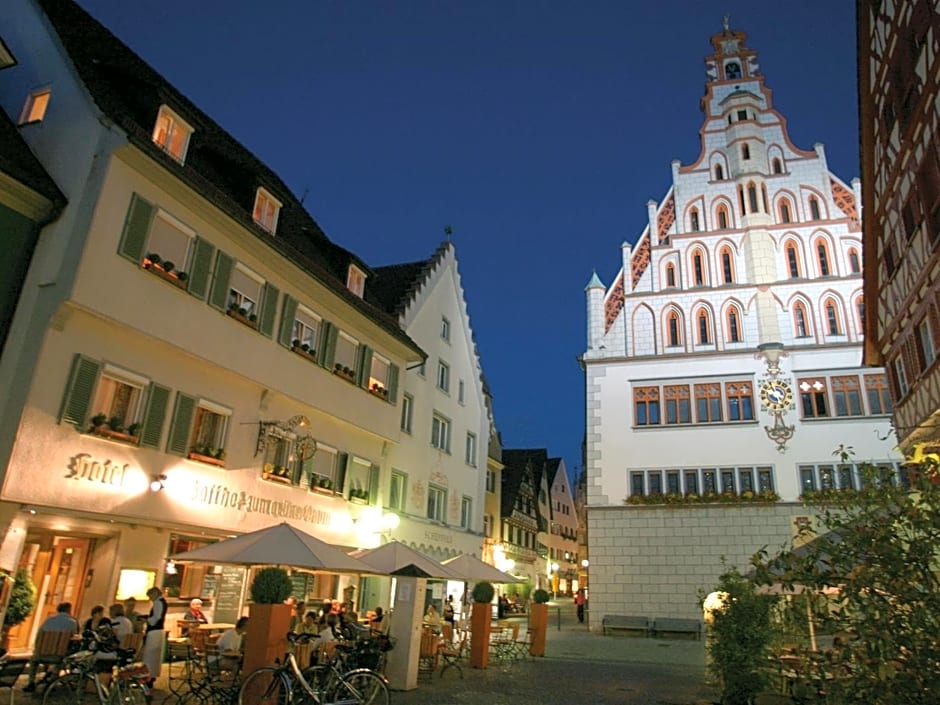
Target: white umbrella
point(472, 569)
point(395, 558)
point(277, 545)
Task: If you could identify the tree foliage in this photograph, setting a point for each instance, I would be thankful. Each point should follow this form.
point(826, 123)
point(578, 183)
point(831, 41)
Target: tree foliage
point(877, 548)
point(271, 586)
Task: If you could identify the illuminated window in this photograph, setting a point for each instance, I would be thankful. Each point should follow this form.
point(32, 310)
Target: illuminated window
point(727, 265)
point(673, 329)
point(813, 400)
point(380, 374)
point(119, 401)
point(800, 320)
point(704, 327)
point(356, 280)
point(793, 260)
point(646, 406)
point(708, 402)
point(833, 324)
point(266, 210)
point(35, 108)
point(209, 428)
point(305, 330)
point(172, 134)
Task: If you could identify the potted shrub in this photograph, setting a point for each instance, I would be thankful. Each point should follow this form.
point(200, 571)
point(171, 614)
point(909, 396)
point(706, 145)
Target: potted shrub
point(98, 420)
point(538, 621)
point(268, 618)
point(21, 605)
point(480, 619)
point(168, 266)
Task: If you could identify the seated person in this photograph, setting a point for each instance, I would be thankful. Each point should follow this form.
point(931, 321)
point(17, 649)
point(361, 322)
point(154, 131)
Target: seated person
point(432, 617)
point(121, 624)
point(93, 622)
point(297, 618)
point(61, 621)
point(309, 625)
point(330, 631)
point(379, 623)
point(231, 645)
point(194, 615)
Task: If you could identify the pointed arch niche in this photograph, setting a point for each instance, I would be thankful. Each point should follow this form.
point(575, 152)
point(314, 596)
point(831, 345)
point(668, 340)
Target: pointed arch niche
point(643, 332)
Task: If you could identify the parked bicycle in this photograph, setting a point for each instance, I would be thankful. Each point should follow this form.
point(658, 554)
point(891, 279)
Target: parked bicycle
point(80, 679)
point(323, 684)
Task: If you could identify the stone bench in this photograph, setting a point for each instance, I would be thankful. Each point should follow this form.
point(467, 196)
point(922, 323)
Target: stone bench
point(625, 623)
point(676, 625)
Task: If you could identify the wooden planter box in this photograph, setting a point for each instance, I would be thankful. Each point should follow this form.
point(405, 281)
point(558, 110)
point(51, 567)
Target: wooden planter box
point(538, 626)
point(380, 393)
point(310, 355)
point(322, 490)
point(170, 277)
point(242, 319)
point(480, 619)
point(106, 432)
point(276, 478)
point(351, 377)
point(266, 638)
point(208, 459)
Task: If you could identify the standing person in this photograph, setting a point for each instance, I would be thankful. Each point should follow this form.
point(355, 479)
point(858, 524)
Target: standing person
point(155, 636)
point(449, 616)
point(133, 616)
point(61, 621)
point(579, 603)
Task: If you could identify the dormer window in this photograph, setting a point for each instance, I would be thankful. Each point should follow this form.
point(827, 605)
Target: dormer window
point(171, 133)
point(356, 280)
point(266, 210)
point(6, 56)
point(35, 108)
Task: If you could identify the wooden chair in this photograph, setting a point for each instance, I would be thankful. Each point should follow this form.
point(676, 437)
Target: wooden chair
point(134, 640)
point(50, 649)
point(452, 654)
point(10, 671)
point(428, 652)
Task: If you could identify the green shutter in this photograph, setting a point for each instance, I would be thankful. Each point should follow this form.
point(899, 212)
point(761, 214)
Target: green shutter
point(79, 390)
point(374, 484)
point(136, 228)
point(363, 365)
point(198, 282)
point(393, 383)
point(154, 415)
point(181, 426)
point(218, 295)
point(342, 462)
point(288, 311)
point(269, 294)
point(327, 345)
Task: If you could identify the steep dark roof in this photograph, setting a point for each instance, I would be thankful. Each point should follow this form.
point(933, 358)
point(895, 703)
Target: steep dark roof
point(217, 166)
point(18, 161)
point(516, 460)
point(394, 286)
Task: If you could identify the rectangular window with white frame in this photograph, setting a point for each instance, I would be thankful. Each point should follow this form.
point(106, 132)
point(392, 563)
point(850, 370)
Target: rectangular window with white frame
point(460, 392)
point(171, 133)
point(470, 454)
point(359, 478)
point(407, 410)
point(437, 503)
point(244, 291)
point(379, 374)
point(396, 491)
point(266, 210)
point(347, 349)
point(288, 458)
point(466, 512)
point(490, 481)
point(209, 428)
point(305, 330)
point(445, 329)
point(324, 469)
point(169, 244)
point(118, 400)
point(36, 105)
point(440, 433)
point(356, 280)
point(488, 525)
point(443, 376)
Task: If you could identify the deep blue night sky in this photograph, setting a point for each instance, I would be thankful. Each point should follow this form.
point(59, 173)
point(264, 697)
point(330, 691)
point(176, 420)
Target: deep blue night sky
point(537, 130)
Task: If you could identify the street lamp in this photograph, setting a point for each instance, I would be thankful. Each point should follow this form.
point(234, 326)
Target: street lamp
point(584, 571)
point(554, 577)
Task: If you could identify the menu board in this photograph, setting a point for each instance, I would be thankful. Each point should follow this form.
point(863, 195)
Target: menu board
point(299, 586)
point(228, 596)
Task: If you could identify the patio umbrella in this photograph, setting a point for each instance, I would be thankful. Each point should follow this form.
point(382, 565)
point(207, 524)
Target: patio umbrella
point(281, 544)
point(395, 558)
point(472, 569)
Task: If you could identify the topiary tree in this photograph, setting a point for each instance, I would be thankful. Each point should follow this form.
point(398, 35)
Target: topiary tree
point(483, 592)
point(877, 548)
point(540, 596)
point(271, 586)
point(22, 599)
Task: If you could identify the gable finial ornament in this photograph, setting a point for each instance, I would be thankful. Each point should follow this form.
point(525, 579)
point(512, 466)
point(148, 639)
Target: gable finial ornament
point(726, 21)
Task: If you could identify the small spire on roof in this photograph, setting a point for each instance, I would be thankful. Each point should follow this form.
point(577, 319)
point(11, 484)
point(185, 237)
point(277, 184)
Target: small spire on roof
point(448, 231)
point(726, 21)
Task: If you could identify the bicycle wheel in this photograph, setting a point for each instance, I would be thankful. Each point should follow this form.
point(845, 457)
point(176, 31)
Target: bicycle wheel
point(318, 678)
point(363, 687)
point(127, 693)
point(66, 690)
point(264, 686)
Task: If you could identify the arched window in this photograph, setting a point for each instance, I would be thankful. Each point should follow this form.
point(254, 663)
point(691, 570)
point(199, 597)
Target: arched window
point(741, 200)
point(785, 211)
point(727, 265)
point(670, 274)
point(752, 197)
point(793, 261)
point(745, 152)
point(763, 196)
point(693, 218)
point(698, 268)
point(734, 325)
point(833, 326)
point(673, 329)
point(860, 312)
point(722, 217)
point(800, 320)
point(777, 166)
point(822, 256)
point(814, 207)
point(854, 262)
point(704, 327)
point(719, 173)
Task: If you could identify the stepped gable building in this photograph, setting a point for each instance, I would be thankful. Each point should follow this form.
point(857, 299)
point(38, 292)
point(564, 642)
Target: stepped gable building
point(724, 361)
point(191, 357)
point(437, 478)
point(899, 78)
point(524, 511)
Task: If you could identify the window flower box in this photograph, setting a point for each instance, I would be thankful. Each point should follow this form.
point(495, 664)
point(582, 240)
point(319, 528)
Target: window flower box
point(123, 437)
point(165, 270)
point(276, 473)
point(209, 456)
point(304, 351)
point(113, 429)
point(359, 496)
point(346, 373)
point(242, 316)
point(379, 391)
